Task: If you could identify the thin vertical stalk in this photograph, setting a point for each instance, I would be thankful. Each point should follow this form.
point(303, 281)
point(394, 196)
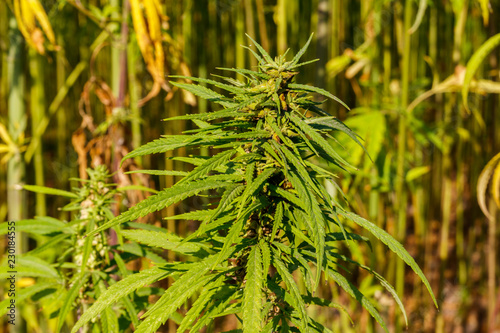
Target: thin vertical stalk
point(37, 94)
point(115, 49)
point(401, 194)
point(281, 23)
point(264, 41)
point(491, 263)
point(62, 125)
point(387, 57)
point(16, 168)
point(322, 42)
point(240, 39)
point(250, 26)
point(134, 93)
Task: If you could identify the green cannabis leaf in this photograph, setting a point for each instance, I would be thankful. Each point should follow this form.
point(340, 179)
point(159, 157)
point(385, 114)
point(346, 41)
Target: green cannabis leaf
point(270, 213)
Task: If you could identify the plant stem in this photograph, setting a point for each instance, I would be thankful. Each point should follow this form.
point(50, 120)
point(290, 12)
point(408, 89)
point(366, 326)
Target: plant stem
point(281, 22)
point(134, 93)
point(401, 194)
point(264, 41)
point(37, 94)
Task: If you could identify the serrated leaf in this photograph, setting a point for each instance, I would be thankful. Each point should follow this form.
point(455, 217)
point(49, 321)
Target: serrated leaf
point(200, 304)
point(118, 290)
point(175, 296)
point(159, 172)
point(278, 219)
point(252, 300)
point(109, 321)
point(394, 245)
point(343, 236)
point(48, 190)
point(303, 63)
point(327, 303)
point(314, 221)
point(163, 240)
point(301, 52)
point(228, 197)
point(197, 215)
point(135, 188)
point(285, 195)
point(225, 295)
point(332, 123)
point(266, 259)
point(356, 294)
point(211, 164)
point(318, 139)
point(298, 302)
point(252, 188)
point(54, 241)
point(304, 174)
point(243, 71)
point(379, 277)
point(233, 89)
point(162, 145)
point(205, 93)
point(262, 51)
point(78, 281)
point(230, 239)
point(320, 91)
point(164, 199)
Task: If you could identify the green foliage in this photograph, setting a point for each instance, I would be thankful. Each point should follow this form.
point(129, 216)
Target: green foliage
point(472, 66)
point(269, 218)
point(70, 270)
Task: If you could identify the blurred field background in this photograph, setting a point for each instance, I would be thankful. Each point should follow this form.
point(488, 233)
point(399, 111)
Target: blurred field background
point(82, 93)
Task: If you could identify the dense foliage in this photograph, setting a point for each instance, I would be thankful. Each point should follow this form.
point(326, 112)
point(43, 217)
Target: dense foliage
point(268, 214)
point(85, 82)
point(67, 271)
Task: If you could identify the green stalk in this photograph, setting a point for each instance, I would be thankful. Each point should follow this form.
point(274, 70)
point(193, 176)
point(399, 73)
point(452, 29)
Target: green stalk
point(249, 26)
point(134, 93)
point(62, 120)
point(491, 260)
point(115, 49)
point(16, 168)
point(37, 94)
point(447, 166)
point(240, 39)
point(264, 41)
point(281, 23)
point(321, 42)
point(401, 194)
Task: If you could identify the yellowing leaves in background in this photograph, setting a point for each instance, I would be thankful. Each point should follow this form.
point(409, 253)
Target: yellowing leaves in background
point(28, 13)
point(146, 16)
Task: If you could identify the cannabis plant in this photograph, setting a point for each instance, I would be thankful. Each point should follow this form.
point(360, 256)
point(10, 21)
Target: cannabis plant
point(269, 218)
point(67, 271)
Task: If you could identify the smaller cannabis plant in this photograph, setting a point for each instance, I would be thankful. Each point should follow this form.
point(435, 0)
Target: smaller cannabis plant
point(67, 271)
point(270, 218)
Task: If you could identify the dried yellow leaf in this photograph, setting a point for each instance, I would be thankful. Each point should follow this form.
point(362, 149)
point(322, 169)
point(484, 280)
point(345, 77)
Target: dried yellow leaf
point(28, 13)
point(149, 38)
